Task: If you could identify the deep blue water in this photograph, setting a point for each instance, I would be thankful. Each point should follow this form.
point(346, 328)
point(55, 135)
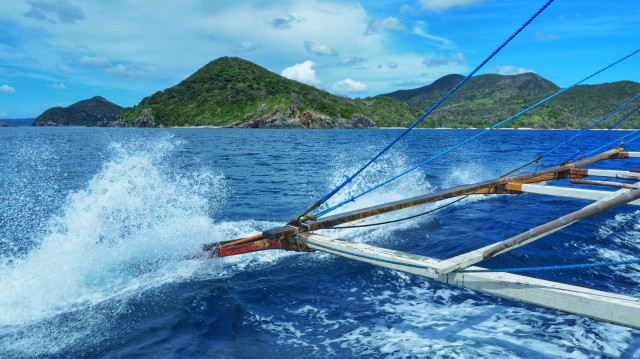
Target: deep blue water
point(95, 223)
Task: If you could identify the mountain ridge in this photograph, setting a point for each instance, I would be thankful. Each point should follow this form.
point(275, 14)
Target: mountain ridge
point(96, 111)
point(485, 100)
point(237, 93)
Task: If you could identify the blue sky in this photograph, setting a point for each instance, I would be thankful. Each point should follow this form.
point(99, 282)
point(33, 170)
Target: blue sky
point(58, 52)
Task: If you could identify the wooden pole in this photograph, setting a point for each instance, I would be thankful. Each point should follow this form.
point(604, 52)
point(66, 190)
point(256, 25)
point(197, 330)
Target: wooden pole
point(332, 221)
point(585, 302)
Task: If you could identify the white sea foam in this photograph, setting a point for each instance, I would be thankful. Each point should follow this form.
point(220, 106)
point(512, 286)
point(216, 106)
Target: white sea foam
point(125, 233)
point(417, 319)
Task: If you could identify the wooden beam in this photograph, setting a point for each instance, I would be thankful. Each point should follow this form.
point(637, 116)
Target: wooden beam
point(585, 302)
point(499, 183)
point(565, 192)
point(612, 173)
point(535, 233)
point(606, 202)
point(604, 183)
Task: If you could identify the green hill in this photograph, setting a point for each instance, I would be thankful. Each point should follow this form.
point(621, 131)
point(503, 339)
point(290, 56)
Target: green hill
point(228, 90)
point(235, 92)
point(95, 111)
point(488, 99)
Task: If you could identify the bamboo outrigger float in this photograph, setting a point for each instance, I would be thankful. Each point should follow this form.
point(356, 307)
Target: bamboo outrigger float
point(460, 270)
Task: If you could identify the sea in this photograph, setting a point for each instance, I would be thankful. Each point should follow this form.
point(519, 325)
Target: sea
point(96, 225)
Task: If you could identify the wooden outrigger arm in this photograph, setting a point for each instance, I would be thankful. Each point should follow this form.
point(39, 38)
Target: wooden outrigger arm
point(599, 305)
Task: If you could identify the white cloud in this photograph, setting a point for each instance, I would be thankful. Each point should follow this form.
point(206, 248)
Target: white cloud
point(351, 60)
point(7, 89)
point(170, 49)
point(437, 40)
point(441, 5)
point(59, 86)
point(435, 61)
point(349, 86)
point(303, 72)
point(284, 22)
point(95, 61)
point(458, 57)
point(3, 114)
point(55, 11)
point(319, 48)
point(130, 71)
point(245, 46)
point(545, 37)
point(508, 70)
point(390, 23)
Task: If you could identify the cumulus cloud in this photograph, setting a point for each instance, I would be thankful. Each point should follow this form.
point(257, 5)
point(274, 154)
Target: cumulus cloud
point(319, 48)
point(509, 70)
point(130, 71)
point(440, 41)
point(435, 61)
point(59, 86)
point(284, 22)
point(245, 46)
point(351, 60)
point(441, 5)
point(390, 23)
point(303, 72)
point(95, 61)
point(545, 37)
point(458, 57)
point(55, 11)
point(7, 89)
point(350, 86)
point(454, 57)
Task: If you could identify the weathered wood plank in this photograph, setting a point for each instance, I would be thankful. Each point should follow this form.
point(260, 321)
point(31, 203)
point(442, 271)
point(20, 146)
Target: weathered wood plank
point(585, 302)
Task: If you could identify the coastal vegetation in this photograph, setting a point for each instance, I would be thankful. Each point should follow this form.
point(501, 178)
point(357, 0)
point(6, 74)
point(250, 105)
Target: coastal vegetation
point(92, 112)
point(488, 99)
point(233, 92)
point(228, 90)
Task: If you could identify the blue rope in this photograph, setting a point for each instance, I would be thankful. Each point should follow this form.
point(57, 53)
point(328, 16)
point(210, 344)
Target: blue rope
point(635, 138)
point(582, 132)
point(340, 186)
point(614, 143)
point(353, 198)
point(604, 133)
point(532, 269)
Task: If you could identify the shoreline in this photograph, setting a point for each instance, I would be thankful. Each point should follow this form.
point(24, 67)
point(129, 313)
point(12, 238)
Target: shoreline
point(404, 128)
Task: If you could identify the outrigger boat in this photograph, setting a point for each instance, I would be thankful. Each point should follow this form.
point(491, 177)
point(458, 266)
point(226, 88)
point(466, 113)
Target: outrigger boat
point(461, 270)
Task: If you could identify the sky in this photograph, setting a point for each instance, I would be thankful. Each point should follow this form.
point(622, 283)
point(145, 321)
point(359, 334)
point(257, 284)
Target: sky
point(58, 52)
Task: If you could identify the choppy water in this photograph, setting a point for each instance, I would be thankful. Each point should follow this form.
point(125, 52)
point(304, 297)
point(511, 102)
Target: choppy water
point(95, 223)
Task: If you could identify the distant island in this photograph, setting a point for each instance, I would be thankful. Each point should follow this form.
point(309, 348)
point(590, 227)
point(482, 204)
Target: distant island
point(14, 122)
point(235, 93)
point(96, 111)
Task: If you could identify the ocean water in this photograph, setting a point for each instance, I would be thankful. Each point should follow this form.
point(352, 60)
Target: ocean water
point(95, 224)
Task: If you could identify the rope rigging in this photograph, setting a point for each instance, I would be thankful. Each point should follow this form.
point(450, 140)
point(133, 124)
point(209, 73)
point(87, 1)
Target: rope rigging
point(582, 132)
point(353, 198)
point(548, 268)
point(405, 218)
point(573, 157)
point(603, 133)
point(350, 178)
